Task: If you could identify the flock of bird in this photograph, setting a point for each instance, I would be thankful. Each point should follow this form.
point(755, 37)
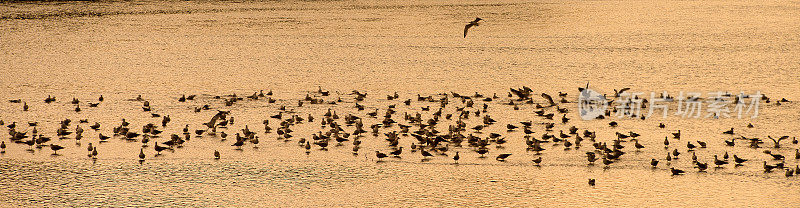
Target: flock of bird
point(437, 130)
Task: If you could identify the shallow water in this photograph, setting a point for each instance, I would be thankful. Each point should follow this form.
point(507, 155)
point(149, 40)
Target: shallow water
point(163, 49)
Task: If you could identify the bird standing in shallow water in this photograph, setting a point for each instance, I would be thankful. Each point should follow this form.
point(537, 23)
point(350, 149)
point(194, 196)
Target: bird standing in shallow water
point(502, 157)
point(537, 161)
point(471, 24)
point(55, 148)
point(676, 171)
point(379, 155)
point(738, 160)
point(719, 162)
point(425, 154)
point(654, 162)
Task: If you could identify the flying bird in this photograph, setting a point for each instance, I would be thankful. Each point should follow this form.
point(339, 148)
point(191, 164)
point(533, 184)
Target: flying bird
point(473, 23)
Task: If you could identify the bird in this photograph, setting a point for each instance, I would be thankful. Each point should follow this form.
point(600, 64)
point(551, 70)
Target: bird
point(238, 144)
point(455, 158)
point(730, 143)
point(702, 144)
point(778, 141)
point(216, 154)
point(719, 162)
point(677, 135)
point(103, 138)
point(690, 146)
point(3, 146)
point(255, 142)
point(775, 156)
point(591, 157)
point(482, 151)
point(738, 160)
point(159, 149)
point(141, 154)
point(796, 153)
point(701, 167)
point(591, 181)
point(728, 131)
point(653, 162)
point(537, 161)
point(471, 24)
point(55, 148)
point(380, 155)
point(502, 157)
point(425, 154)
point(397, 152)
point(768, 168)
point(606, 161)
point(676, 171)
point(637, 145)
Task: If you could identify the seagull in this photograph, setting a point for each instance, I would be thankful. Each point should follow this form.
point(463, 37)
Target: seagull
point(537, 161)
point(738, 160)
point(380, 155)
point(676, 171)
point(55, 148)
point(502, 157)
point(719, 162)
point(473, 23)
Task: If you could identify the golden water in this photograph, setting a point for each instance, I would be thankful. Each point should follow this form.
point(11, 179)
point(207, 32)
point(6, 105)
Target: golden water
point(163, 49)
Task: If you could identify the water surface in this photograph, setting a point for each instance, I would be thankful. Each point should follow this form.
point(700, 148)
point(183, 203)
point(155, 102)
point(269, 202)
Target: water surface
point(163, 49)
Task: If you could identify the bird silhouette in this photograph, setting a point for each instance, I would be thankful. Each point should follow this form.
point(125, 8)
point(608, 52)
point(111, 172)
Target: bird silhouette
point(55, 148)
point(537, 161)
point(676, 171)
point(719, 162)
point(379, 155)
point(470, 25)
point(502, 157)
